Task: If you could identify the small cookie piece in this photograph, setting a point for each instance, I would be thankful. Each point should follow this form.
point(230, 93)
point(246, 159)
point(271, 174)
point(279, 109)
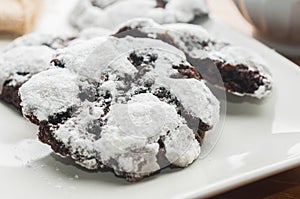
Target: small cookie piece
point(133, 105)
point(17, 66)
point(109, 13)
point(239, 71)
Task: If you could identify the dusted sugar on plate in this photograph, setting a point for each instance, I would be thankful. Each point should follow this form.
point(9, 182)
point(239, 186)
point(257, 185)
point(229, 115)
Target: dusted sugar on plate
point(109, 13)
point(238, 70)
point(132, 105)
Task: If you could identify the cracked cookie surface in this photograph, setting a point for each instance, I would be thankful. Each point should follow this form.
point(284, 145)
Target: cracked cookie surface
point(133, 105)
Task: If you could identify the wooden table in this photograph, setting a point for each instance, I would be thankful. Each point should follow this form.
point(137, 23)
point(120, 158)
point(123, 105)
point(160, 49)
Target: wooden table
point(284, 185)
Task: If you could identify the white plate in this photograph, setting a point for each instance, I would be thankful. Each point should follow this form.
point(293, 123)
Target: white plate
point(259, 139)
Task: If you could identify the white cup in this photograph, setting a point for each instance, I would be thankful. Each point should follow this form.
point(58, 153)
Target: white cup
point(276, 22)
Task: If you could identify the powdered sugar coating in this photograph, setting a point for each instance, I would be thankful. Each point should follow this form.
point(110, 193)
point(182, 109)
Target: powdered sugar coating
point(187, 37)
point(181, 147)
point(24, 57)
point(138, 22)
point(38, 39)
point(200, 105)
point(31, 39)
point(132, 142)
point(124, 126)
point(199, 45)
point(22, 60)
point(182, 34)
point(75, 133)
point(91, 65)
point(75, 57)
point(49, 92)
point(28, 59)
point(93, 57)
point(57, 41)
point(198, 31)
point(103, 3)
point(31, 54)
point(108, 14)
point(92, 32)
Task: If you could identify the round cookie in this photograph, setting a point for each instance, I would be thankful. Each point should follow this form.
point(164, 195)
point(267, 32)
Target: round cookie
point(109, 13)
point(238, 70)
point(134, 105)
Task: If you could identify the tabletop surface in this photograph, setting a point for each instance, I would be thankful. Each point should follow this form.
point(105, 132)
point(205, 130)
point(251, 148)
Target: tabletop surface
point(284, 185)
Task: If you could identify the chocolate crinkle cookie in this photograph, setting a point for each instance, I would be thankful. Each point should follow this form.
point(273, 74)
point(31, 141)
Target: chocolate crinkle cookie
point(109, 13)
point(238, 70)
point(132, 105)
